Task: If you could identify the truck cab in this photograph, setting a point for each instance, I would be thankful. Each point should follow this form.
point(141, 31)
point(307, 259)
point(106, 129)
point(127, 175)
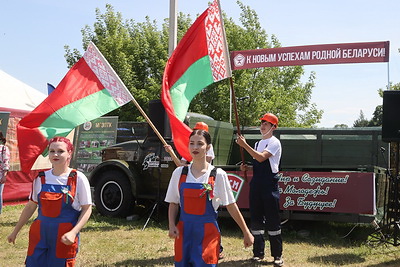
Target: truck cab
point(137, 169)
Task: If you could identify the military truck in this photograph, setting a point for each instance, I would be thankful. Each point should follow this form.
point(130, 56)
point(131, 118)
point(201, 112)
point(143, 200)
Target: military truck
point(137, 169)
point(327, 174)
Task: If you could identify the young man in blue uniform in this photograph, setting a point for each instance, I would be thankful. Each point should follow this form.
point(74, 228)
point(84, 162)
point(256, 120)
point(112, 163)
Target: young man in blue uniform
point(264, 191)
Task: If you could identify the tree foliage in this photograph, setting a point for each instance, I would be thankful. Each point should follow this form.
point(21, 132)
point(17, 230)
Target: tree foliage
point(138, 53)
point(341, 126)
point(361, 121)
point(377, 115)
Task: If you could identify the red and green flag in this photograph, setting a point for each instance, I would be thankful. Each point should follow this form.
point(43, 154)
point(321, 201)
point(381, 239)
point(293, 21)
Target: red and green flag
point(89, 90)
point(200, 59)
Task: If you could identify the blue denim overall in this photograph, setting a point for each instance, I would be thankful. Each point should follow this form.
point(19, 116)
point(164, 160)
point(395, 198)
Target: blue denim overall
point(264, 209)
point(56, 216)
point(199, 236)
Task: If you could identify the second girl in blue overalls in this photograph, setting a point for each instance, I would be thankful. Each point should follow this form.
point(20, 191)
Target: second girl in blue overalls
point(197, 191)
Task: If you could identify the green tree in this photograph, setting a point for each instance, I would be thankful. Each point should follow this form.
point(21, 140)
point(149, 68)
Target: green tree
point(378, 113)
point(377, 116)
point(361, 121)
point(138, 53)
point(341, 126)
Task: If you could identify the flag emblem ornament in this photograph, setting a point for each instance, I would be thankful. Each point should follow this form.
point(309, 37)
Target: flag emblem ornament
point(200, 59)
point(108, 78)
point(215, 43)
point(89, 90)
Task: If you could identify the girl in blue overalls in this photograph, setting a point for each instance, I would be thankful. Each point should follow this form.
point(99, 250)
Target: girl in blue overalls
point(264, 191)
point(197, 191)
point(64, 201)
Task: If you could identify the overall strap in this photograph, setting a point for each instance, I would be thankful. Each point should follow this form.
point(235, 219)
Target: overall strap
point(184, 173)
point(211, 181)
point(213, 174)
point(72, 178)
point(256, 145)
point(42, 177)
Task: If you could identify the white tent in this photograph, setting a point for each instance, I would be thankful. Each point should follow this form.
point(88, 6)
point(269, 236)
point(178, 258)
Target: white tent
point(18, 95)
point(22, 98)
point(19, 99)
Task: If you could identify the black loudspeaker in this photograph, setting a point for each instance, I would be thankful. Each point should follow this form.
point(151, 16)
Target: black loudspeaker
point(391, 116)
point(159, 118)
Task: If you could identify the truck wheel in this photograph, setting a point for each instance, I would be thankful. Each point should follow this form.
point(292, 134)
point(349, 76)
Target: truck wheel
point(113, 195)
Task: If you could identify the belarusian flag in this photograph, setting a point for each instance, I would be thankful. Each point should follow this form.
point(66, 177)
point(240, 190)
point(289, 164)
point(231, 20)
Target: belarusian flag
point(200, 59)
point(89, 90)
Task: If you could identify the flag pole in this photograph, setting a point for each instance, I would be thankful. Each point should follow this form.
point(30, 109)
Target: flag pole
point(171, 151)
point(237, 122)
point(232, 91)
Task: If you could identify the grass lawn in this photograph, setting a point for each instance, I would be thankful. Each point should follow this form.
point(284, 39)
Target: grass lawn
point(118, 242)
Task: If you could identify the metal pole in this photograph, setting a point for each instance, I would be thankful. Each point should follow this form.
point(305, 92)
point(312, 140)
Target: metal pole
point(388, 87)
point(173, 7)
point(388, 74)
point(230, 106)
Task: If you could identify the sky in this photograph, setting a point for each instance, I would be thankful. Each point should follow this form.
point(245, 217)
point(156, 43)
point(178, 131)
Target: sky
point(33, 34)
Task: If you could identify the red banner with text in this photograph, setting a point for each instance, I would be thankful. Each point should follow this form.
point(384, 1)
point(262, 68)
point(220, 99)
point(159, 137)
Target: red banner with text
point(339, 192)
point(311, 55)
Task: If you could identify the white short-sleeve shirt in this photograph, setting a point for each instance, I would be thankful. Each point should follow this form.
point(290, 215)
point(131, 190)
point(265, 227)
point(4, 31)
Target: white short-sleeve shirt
point(82, 196)
point(222, 189)
point(273, 146)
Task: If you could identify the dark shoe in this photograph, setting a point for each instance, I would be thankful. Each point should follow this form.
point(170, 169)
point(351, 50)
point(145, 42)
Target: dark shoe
point(278, 261)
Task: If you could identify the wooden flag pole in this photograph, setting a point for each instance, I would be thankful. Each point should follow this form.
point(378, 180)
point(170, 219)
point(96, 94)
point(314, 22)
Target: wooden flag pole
point(170, 151)
point(237, 121)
